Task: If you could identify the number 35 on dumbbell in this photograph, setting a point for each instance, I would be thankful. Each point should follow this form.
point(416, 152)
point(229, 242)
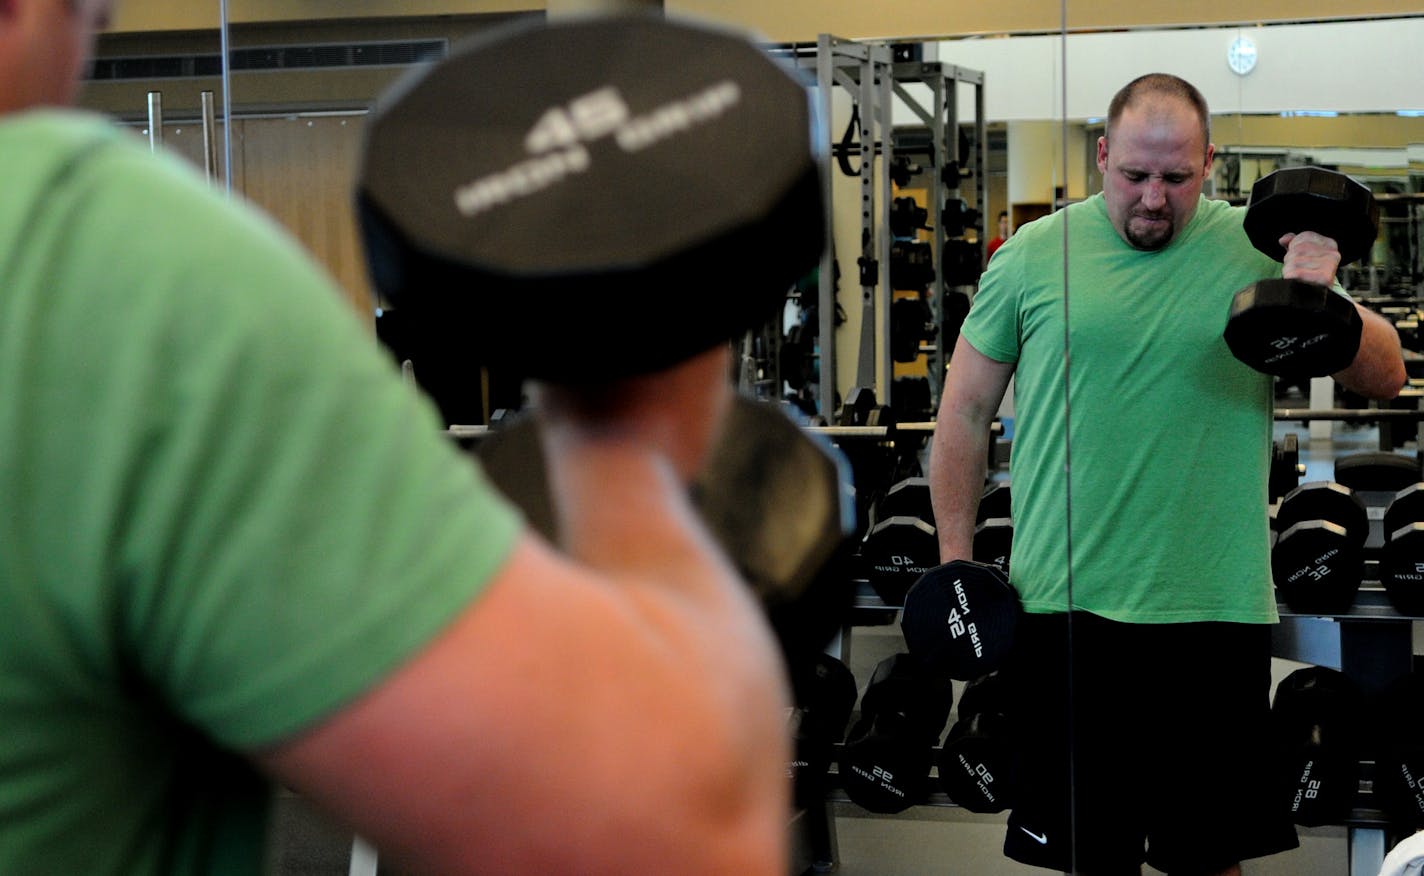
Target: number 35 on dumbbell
point(1291, 328)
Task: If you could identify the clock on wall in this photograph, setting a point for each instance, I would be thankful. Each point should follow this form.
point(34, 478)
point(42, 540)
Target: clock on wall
point(1242, 55)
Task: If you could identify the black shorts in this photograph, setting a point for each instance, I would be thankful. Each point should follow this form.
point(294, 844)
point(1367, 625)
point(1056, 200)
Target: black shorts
point(1169, 746)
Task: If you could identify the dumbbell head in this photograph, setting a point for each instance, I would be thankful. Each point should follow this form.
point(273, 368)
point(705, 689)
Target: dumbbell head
point(1399, 761)
point(825, 695)
point(1407, 506)
point(1317, 567)
point(907, 497)
point(1296, 199)
point(960, 619)
point(895, 553)
point(975, 762)
point(1292, 328)
point(886, 760)
point(776, 498)
point(993, 541)
point(1325, 500)
point(1401, 568)
point(994, 502)
point(1314, 719)
point(824, 689)
point(545, 191)
point(900, 684)
point(780, 502)
point(911, 321)
point(1318, 561)
point(1377, 471)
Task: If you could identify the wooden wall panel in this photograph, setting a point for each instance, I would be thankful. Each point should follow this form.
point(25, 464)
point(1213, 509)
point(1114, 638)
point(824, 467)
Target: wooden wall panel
point(301, 171)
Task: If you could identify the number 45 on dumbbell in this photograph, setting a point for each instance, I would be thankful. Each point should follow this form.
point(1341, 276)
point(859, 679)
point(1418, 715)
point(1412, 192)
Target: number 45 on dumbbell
point(1291, 328)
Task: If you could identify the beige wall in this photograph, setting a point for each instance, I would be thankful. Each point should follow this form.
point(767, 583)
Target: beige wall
point(794, 20)
point(856, 19)
point(164, 15)
point(1340, 132)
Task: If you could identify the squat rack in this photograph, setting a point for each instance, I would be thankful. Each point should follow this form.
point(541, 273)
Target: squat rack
point(874, 79)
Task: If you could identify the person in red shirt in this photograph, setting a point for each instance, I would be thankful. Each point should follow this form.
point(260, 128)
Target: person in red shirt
point(998, 240)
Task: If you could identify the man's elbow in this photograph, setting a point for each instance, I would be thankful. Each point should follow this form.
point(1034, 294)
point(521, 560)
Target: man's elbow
point(1379, 381)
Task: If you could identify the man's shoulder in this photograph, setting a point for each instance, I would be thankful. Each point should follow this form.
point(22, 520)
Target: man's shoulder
point(49, 151)
point(1216, 211)
point(54, 136)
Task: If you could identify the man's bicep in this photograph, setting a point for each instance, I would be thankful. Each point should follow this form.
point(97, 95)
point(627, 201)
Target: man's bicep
point(536, 698)
point(975, 383)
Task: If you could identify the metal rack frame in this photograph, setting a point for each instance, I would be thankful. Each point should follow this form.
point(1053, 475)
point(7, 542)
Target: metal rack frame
point(870, 74)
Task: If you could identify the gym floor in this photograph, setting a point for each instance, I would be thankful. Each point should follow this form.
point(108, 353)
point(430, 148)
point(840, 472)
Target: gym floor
point(924, 840)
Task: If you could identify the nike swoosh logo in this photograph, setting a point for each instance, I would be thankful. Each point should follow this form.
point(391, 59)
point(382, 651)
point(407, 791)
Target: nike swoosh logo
point(1040, 838)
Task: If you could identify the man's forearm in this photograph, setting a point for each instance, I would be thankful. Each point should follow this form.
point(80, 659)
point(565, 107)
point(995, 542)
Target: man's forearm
point(958, 464)
point(1377, 371)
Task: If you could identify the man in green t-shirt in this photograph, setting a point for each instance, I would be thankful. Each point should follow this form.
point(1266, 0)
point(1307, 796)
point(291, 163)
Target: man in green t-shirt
point(1139, 472)
point(236, 550)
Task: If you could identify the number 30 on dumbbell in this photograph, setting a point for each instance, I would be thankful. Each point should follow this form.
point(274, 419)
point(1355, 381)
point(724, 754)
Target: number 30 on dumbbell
point(1291, 328)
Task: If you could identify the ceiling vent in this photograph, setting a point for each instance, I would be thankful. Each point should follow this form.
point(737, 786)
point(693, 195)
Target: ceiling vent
point(318, 57)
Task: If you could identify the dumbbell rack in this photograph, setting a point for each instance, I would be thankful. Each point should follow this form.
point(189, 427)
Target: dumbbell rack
point(870, 73)
point(1372, 645)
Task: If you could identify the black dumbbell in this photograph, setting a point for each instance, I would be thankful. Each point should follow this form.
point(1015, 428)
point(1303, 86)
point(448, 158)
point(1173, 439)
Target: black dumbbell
point(1316, 730)
point(1401, 566)
point(994, 526)
point(975, 762)
point(911, 320)
point(1377, 471)
point(901, 544)
point(824, 694)
point(911, 401)
point(885, 763)
point(1318, 560)
point(776, 498)
point(996, 501)
point(907, 497)
point(1399, 755)
point(960, 619)
point(1291, 328)
point(993, 541)
point(539, 223)
point(536, 226)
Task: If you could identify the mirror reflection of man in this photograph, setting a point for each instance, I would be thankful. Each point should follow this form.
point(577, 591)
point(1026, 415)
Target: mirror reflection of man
point(1151, 577)
point(238, 551)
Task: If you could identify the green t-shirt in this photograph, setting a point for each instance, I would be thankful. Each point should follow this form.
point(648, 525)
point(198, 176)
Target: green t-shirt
point(1170, 434)
point(224, 515)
